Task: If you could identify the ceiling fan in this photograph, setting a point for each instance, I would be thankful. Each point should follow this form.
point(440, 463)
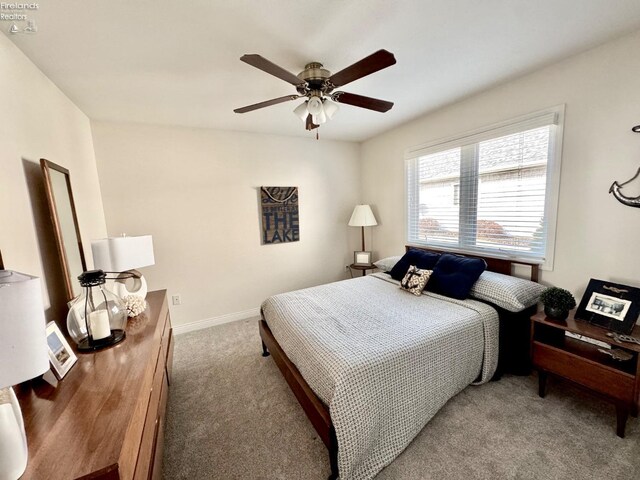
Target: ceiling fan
point(317, 84)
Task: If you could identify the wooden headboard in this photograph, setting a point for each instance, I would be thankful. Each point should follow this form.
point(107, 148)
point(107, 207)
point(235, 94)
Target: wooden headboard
point(1, 264)
point(498, 265)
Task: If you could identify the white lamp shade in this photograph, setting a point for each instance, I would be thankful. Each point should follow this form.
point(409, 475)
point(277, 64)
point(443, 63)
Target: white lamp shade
point(314, 105)
point(319, 118)
point(119, 254)
point(23, 342)
point(301, 111)
point(362, 216)
point(330, 108)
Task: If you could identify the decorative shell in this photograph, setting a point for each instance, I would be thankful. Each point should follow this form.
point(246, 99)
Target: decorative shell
point(135, 305)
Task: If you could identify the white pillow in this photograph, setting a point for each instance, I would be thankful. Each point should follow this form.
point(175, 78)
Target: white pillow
point(511, 293)
point(386, 264)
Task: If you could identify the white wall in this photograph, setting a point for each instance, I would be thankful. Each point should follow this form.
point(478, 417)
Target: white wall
point(597, 237)
point(196, 192)
point(38, 121)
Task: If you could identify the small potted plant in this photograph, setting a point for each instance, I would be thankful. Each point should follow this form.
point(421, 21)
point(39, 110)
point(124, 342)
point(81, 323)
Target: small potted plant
point(557, 302)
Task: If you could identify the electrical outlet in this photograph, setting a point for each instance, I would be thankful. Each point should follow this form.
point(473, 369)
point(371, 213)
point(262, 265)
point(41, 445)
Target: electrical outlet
point(176, 300)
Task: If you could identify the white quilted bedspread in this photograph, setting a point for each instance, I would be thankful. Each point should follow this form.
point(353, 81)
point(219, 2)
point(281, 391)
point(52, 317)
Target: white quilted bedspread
point(384, 360)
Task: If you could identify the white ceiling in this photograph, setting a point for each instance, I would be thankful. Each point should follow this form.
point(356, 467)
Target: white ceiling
point(177, 63)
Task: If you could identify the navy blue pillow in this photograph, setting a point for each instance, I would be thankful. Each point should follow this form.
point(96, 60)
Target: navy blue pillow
point(419, 258)
point(454, 275)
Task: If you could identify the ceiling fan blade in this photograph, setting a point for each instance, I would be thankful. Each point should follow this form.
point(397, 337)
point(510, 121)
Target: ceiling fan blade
point(368, 65)
point(309, 123)
point(362, 101)
point(266, 66)
point(268, 103)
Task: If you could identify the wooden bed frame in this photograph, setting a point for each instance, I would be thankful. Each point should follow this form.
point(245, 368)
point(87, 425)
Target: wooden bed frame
point(318, 412)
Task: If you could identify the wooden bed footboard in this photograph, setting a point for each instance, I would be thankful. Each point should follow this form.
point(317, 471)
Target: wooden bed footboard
point(315, 409)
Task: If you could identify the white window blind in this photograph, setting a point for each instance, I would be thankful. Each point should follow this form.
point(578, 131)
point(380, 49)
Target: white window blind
point(490, 191)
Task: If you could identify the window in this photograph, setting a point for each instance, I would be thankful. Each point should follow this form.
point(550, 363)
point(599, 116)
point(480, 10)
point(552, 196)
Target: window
point(492, 191)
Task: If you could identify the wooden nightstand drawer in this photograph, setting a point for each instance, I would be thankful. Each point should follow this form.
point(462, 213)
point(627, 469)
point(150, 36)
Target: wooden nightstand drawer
point(597, 377)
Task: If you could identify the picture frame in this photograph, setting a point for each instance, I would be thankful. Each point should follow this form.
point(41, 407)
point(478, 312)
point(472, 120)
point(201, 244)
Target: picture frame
point(61, 357)
point(362, 258)
point(610, 305)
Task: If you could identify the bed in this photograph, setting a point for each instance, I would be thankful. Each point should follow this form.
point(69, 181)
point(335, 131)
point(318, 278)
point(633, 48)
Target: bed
point(371, 364)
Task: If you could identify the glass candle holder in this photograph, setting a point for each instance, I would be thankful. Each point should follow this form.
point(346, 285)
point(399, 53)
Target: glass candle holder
point(97, 317)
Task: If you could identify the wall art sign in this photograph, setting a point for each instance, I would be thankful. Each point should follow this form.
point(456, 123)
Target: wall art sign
point(280, 223)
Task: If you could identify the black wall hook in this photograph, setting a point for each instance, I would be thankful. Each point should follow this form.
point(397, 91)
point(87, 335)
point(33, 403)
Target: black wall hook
point(636, 129)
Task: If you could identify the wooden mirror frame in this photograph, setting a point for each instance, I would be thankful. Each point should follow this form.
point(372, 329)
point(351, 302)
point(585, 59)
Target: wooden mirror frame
point(47, 166)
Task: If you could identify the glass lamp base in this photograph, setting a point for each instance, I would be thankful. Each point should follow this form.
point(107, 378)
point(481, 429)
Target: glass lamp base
point(90, 345)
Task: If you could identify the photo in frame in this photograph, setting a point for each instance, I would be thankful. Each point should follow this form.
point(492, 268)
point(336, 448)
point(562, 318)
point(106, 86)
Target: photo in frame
point(61, 356)
point(610, 305)
point(362, 258)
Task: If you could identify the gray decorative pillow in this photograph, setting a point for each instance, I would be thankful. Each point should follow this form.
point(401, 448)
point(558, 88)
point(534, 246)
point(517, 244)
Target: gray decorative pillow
point(415, 280)
point(386, 264)
point(511, 293)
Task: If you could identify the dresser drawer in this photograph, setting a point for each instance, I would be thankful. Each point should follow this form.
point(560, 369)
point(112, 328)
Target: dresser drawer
point(156, 473)
point(145, 454)
point(167, 346)
point(166, 328)
point(170, 357)
point(599, 378)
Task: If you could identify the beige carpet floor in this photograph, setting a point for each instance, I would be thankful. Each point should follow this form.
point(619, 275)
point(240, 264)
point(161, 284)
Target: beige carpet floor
point(231, 415)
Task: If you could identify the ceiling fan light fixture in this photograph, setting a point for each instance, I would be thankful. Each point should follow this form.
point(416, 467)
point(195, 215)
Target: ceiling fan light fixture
point(330, 108)
point(317, 84)
point(301, 111)
point(314, 105)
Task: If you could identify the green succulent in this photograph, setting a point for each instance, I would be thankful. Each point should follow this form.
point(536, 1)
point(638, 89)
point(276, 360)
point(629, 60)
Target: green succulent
point(559, 298)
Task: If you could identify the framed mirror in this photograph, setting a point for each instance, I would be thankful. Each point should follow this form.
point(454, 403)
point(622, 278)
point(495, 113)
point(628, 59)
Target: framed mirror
point(65, 224)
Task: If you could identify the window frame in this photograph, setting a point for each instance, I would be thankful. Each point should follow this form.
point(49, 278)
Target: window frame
point(552, 189)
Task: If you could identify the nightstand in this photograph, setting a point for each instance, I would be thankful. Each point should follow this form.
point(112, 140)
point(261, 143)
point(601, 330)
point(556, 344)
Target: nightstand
point(552, 352)
point(362, 268)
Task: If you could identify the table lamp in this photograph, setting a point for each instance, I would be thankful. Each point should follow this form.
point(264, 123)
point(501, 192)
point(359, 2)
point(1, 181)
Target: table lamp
point(362, 216)
point(23, 356)
point(123, 255)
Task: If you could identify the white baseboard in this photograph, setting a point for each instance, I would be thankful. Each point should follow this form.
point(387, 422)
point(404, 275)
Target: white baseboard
point(210, 322)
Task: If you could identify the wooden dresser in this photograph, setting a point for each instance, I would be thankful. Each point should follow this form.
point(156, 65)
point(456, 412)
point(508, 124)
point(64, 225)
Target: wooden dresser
point(105, 420)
